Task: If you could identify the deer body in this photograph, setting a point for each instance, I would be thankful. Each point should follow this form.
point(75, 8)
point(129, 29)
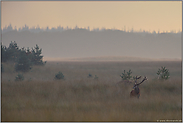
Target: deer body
point(136, 91)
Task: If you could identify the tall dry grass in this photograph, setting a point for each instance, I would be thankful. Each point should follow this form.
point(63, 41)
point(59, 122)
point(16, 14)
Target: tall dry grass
point(78, 98)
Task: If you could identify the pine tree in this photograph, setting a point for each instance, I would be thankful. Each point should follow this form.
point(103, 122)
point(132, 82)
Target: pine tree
point(23, 63)
point(163, 73)
point(4, 56)
point(36, 56)
point(12, 52)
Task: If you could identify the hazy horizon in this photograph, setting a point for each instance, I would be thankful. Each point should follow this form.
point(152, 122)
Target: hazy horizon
point(81, 43)
point(108, 59)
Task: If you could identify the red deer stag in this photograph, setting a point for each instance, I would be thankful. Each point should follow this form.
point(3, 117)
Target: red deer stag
point(136, 91)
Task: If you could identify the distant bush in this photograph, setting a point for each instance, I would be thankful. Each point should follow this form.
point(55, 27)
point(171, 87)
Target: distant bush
point(89, 75)
point(59, 76)
point(126, 75)
point(96, 77)
point(19, 77)
point(163, 73)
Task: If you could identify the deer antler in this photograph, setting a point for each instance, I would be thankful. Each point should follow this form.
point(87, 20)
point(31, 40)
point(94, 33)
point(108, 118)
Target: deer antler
point(145, 78)
point(136, 79)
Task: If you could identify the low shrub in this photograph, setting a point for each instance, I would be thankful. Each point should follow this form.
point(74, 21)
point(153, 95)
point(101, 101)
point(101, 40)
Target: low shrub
point(19, 77)
point(89, 75)
point(59, 76)
point(126, 75)
point(163, 73)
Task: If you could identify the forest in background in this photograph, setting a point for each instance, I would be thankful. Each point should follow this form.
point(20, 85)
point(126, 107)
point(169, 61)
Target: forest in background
point(79, 43)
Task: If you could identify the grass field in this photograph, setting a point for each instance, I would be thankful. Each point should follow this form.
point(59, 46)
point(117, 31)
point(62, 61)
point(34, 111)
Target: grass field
point(78, 98)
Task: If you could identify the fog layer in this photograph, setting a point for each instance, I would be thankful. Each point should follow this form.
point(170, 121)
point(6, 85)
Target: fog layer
point(80, 43)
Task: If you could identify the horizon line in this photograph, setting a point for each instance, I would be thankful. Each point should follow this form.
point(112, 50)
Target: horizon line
point(109, 58)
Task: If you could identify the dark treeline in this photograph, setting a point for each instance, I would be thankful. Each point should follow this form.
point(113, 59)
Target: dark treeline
point(61, 28)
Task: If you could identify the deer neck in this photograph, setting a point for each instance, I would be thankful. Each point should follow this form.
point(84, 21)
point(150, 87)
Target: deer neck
point(137, 89)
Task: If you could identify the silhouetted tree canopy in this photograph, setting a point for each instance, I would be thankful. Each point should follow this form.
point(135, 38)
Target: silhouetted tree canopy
point(24, 58)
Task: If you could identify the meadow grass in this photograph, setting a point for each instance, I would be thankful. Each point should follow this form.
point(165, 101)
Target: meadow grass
point(78, 98)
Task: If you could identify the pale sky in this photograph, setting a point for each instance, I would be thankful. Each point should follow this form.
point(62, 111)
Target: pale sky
point(145, 15)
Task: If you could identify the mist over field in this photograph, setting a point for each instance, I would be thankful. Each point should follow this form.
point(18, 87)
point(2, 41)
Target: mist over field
point(78, 98)
point(82, 43)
